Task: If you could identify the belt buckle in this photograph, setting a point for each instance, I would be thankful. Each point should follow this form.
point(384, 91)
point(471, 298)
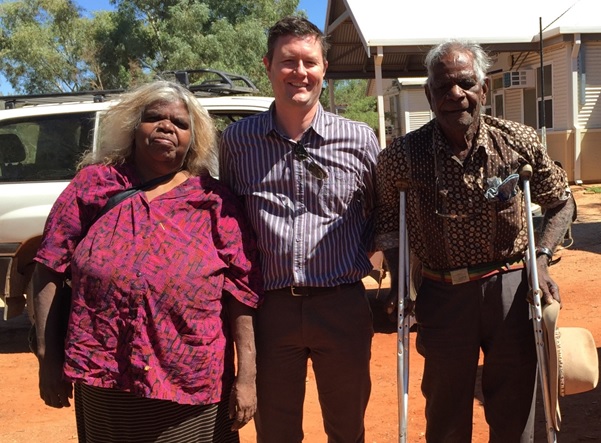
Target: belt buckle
point(298, 294)
point(459, 276)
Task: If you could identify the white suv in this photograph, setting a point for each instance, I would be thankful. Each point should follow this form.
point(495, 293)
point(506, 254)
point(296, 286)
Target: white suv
point(40, 145)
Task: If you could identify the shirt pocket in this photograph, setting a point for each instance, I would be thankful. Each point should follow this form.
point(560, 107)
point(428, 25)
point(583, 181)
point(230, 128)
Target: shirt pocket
point(510, 215)
point(337, 191)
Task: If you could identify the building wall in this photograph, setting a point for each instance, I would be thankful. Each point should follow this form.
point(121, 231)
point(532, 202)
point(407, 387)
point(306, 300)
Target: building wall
point(513, 105)
point(561, 139)
point(591, 156)
point(558, 57)
point(416, 109)
point(562, 92)
point(560, 148)
point(589, 115)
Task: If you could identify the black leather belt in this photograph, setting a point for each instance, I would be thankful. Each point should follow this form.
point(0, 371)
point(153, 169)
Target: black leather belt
point(304, 291)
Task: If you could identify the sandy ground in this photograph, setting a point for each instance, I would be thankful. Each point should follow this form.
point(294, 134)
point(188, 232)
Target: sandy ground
point(25, 419)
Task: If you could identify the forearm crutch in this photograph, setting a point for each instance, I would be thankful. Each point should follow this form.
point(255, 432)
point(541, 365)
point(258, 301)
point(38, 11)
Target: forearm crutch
point(536, 307)
point(403, 321)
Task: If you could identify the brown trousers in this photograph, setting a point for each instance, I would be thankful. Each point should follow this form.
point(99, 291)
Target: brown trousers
point(333, 329)
point(454, 324)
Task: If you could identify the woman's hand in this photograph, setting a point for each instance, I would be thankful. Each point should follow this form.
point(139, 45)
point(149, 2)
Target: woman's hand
point(54, 390)
point(243, 403)
point(243, 398)
point(50, 337)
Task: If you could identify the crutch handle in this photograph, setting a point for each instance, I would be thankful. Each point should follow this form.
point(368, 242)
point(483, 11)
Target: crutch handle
point(526, 172)
point(402, 185)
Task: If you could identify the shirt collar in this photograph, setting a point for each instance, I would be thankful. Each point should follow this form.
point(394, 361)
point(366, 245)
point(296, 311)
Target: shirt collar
point(439, 141)
point(269, 124)
point(483, 138)
point(318, 125)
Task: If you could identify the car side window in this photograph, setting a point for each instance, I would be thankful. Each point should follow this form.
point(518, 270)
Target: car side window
point(42, 148)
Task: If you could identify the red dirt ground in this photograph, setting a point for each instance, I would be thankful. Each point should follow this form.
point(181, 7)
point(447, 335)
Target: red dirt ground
point(25, 419)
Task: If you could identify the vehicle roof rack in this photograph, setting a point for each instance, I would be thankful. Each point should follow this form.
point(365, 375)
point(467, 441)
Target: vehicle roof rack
point(14, 101)
point(211, 81)
point(202, 82)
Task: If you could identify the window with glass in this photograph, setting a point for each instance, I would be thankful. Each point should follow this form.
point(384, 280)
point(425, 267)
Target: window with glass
point(499, 105)
point(544, 100)
point(42, 148)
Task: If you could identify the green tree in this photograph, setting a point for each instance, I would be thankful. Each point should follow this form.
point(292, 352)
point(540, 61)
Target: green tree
point(41, 45)
point(119, 52)
point(50, 46)
point(229, 35)
point(352, 102)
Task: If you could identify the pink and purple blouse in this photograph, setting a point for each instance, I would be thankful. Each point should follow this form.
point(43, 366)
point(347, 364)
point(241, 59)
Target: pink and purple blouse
point(149, 281)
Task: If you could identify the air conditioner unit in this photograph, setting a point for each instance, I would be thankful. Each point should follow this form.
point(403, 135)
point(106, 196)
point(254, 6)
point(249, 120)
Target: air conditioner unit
point(518, 79)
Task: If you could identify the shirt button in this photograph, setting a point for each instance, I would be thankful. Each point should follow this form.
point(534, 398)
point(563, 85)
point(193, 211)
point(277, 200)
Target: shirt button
point(147, 368)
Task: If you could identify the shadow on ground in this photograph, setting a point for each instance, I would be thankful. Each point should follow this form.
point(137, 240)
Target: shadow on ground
point(587, 236)
point(13, 334)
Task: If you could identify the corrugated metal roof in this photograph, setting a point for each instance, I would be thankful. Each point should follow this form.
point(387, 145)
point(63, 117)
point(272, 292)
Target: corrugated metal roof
point(407, 29)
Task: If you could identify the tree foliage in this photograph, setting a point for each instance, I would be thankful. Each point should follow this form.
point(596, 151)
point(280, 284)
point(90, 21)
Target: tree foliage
point(41, 45)
point(352, 101)
point(51, 46)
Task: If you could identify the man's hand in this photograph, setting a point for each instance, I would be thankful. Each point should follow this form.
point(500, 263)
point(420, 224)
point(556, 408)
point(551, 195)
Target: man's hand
point(548, 287)
point(243, 403)
point(391, 303)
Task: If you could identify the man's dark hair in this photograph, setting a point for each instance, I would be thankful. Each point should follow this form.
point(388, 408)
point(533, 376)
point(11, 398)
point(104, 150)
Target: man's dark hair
point(298, 27)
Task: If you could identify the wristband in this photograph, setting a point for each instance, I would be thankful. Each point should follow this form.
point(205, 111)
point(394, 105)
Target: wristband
point(541, 250)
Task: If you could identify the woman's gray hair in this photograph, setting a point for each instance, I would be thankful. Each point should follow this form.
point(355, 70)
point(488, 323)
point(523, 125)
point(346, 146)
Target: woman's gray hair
point(118, 125)
point(482, 61)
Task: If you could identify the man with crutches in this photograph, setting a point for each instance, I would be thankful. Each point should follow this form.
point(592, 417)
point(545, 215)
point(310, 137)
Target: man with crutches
point(466, 224)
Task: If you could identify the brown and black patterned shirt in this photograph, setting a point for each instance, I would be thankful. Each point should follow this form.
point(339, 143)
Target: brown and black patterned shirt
point(450, 221)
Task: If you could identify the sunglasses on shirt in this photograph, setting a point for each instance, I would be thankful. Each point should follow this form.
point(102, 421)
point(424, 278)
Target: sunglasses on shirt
point(301, 154)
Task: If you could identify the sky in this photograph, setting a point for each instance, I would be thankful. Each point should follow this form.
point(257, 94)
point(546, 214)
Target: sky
point(315, 9)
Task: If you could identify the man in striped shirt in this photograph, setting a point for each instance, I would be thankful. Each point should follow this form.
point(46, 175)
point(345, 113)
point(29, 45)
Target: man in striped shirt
point(306, 177)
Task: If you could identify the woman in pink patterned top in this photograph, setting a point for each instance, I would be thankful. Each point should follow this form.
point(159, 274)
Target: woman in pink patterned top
point(164, 284)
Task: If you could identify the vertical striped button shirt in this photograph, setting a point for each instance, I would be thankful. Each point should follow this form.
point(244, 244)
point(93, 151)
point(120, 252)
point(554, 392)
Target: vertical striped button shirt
point(311, 231)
